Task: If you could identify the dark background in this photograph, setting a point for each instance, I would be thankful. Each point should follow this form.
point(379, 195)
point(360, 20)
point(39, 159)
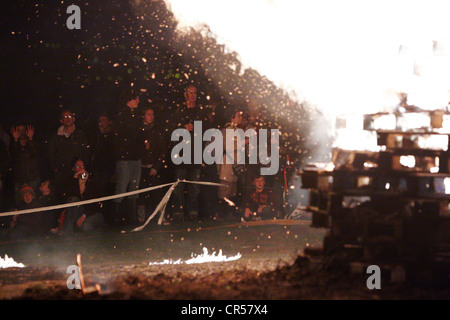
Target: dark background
point(45, 67)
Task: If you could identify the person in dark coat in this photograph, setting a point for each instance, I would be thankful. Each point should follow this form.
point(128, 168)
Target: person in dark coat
point(80, 187)
point(153, 159)
point(103, 157)
point(46, 198)
point(27, 225)
point(260, 202)
point(185, 116)
point(24, 159)
point(66, 144)
point(128, 155)
point(103, 162)
point(4, 163)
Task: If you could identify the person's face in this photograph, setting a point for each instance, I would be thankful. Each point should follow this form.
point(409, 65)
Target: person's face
point(149, 116)
point(237, 118)
point(44, 188)
point(28, 197)
point(191, 94)
point(67, 119)
point(104, 124)
point(79, 166)
point(252, 102)
point(244, 117)
point(259, 183)
point(133, 103)
point(22, 130)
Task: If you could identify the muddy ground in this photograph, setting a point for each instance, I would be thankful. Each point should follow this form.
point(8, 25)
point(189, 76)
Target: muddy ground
point(274, 266)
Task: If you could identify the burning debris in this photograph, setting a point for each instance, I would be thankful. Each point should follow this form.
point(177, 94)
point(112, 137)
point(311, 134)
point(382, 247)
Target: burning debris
point(388, 206)
point(10, 263)
point(203, 258)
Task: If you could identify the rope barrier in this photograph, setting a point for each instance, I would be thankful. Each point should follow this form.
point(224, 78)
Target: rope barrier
point(121, 195)
point(165, 200)
point(160, 207)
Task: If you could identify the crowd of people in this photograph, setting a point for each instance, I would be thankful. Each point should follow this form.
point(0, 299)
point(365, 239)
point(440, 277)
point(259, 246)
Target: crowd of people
point(130, 151)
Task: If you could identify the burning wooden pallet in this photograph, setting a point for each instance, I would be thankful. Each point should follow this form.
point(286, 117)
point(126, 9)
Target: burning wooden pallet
point(390, 206)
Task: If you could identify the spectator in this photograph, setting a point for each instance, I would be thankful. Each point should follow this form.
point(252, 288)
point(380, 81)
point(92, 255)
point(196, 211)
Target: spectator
point(4, 163)
point(66, 144)
point(80, 187)
point(24, 159)
point(260, 202)
point(47, 198)
point(188, 112)
point(153, 159)
point(103, 162)
point(229, 172)
point(253, 116)
point(128, 155)
point(103, 157)
point(29, 224)
point(5, 137)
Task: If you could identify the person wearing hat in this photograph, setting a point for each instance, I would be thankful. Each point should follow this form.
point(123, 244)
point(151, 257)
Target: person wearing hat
point(29, 224)
point(27, 194)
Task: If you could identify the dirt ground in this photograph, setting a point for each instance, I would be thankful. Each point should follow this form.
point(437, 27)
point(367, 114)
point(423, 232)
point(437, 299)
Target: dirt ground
point(300, 281)
point(274, 266)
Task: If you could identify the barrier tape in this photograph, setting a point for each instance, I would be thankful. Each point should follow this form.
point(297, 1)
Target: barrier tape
point(165, 200)
point(162, 205)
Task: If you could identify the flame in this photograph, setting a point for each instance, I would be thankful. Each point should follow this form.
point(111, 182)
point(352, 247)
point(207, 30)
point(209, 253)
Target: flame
point(343, 56)
point(205, 257)
point(447, 185)
point(10, 263)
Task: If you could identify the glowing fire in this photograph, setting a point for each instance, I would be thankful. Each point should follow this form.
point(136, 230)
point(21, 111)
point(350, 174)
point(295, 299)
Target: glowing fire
point(350, 133)
point(343, 56)
point(10, 263)
point(205, 257)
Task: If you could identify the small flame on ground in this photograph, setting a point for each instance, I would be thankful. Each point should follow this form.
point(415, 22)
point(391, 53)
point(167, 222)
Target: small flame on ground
point(205, 257)
point(10, 263)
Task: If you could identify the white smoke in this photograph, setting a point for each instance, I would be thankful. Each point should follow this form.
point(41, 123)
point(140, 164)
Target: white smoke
point(344, 56)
